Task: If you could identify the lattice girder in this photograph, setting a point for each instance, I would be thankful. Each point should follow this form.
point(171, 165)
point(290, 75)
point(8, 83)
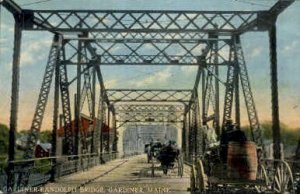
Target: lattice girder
point(86, 92)
point(53, 60)
point(150, 117)
point(144, 95)
point(68, 147)
point(248, 95)
point(230, 80)
point(142, 20)
point(148, 108)
point(146, 52)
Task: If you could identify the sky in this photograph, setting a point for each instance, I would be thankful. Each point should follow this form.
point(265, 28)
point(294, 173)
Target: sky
point(35, 49)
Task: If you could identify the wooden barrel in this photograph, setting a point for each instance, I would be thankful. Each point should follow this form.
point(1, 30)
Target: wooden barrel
point(242, 160)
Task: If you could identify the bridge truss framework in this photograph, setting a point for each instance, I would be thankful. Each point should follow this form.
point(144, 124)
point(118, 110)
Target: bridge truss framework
point(89, 39)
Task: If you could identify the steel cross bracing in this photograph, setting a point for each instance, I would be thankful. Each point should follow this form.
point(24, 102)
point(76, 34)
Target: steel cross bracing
point(191, 131)
point(101, 119)
point(248, 96)
point(144, 95)
point(199, 133)
point(142, 21)
point(87, 92)
point(148, 108)
point(53, 60)
point(196, 132)
point(171, 117)
point(146, 20)
point(228, 99)
point(239, 70)
point(208, 90)
point(146, 36)
point(102, 32)
point(68, 143)
point(149, 113)
point(144, 51)
point(209, 96)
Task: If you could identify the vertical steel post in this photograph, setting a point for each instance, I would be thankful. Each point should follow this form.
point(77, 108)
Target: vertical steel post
point(102, 121)
point(14, 103)
point(55, 113)
point(189, 136)
point(236, 87)
point(114, 125)
point(203, 95)
point(195, 129)
point(75, 125)
point(217, 91)
point(183, 135)
point(78, 99)
point(108, 124)
point(94, 143)
point(197, 124)
point(274, 92)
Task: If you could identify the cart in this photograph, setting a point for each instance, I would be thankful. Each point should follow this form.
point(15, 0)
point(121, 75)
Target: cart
point(211, 175)
point(153, 150)
point(167, 159)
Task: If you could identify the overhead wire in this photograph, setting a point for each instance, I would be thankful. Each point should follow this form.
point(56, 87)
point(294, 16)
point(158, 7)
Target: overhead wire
point(36, 2)
point(251, 3)
point(138, 76)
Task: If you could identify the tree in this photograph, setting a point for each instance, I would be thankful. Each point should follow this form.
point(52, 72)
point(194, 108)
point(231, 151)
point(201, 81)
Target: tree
point(288, 136)
point(45, 136)
point(4, 134)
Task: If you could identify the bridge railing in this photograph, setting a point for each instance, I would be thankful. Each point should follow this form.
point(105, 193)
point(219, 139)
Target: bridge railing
point(40, 169)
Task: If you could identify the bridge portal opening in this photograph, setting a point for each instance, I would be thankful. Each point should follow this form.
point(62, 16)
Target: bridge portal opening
point(136, 136)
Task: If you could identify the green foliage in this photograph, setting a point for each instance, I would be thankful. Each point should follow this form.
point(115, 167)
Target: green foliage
point(42, 166)
point(289, 136)
point(4, 133)
point(45, 136)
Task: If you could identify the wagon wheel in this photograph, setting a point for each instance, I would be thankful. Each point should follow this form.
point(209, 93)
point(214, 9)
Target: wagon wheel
point(262, 176)
point(200, 176)
point(193, 179)
point(180, 165)
point(283, 179)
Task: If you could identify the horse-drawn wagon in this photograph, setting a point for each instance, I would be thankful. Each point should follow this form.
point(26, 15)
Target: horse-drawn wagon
point(239, 166)
point(168, 157)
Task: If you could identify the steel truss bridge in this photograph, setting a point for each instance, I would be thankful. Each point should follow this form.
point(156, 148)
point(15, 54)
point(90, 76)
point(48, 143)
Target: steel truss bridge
point(89, 39)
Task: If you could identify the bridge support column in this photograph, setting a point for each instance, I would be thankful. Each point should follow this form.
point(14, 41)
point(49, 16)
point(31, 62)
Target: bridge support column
point(14, 104)
point(77, 103)
point(237, 88)
point(95, 140)
point(55, 116)
point(114, 129)
point(274, 92)
point(109, 130)
point(183, 136)
point(190, 136)
point(217, 94)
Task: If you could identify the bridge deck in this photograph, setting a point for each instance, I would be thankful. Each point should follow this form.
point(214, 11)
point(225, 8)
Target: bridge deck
point(130, 175)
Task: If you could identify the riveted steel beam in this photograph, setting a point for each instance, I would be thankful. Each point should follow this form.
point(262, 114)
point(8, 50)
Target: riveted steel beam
point(146, 95)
